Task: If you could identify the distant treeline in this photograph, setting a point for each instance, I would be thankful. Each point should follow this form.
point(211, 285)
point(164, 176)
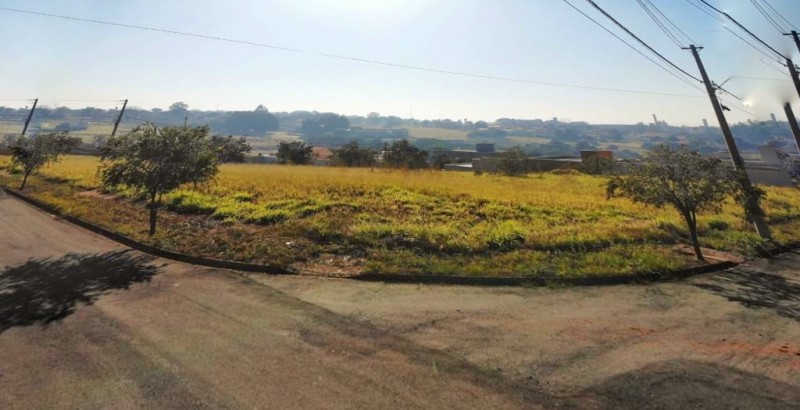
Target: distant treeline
point(375, 130)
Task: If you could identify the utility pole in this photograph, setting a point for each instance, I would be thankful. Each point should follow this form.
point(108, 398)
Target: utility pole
point(752, 206)
point(119, 118)
point(796, 37)
point(28, 120)
point(186, 122)
point(790, 64)
point(793, 74)
point(788, 107)
point(792, 123)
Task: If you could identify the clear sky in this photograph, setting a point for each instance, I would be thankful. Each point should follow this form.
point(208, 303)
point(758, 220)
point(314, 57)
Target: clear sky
point(544, 40)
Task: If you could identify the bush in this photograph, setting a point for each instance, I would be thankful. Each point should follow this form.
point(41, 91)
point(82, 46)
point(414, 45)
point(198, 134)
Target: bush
point(190, 203)
point(718, 225)
point(513, 162)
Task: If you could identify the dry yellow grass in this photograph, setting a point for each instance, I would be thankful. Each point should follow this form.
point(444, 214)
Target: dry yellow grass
point(437, 133)
point(441, 222)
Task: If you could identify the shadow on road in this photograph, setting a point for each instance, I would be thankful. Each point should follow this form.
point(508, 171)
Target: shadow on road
point(692, 385)
point(42, 291)
point(755, 289)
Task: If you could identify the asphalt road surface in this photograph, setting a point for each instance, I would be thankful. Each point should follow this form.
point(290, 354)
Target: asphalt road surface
point(87, 323)
point(157, 334)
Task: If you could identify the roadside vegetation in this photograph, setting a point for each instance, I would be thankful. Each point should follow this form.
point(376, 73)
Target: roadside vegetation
point(343, 221)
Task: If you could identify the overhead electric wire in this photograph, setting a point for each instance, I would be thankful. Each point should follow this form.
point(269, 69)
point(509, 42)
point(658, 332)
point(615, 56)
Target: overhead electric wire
point(660, 24)
point(666, 69)
point(651, 49)
point(768, 63)
point(759, 78)
point(642, 42)
point(750, 33)
point(712, 15)
point(342, 57)
point(778, 13)
point(668, 20)
point(769, 18)
point(755, 47)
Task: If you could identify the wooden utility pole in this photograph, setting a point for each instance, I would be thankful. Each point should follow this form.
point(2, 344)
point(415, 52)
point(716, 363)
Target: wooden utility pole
point(796, 37)
point(790, 64)
point(787, 108)
point(28, 120)
point(752, 206)
point(793, 74)
point(119, 118)
point(186, 122)
point(792, 123)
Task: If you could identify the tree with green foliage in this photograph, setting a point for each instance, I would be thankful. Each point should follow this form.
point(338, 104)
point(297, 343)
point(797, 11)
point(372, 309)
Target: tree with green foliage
point(155, 161)
point(352, 155)
point(295, 153)
point(32, 153)
point(513, 162)
point(230, 149)
point(681, 178)
point(401, 154)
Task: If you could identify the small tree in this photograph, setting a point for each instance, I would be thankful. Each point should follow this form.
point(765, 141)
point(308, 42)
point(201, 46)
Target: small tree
point(351, 155)
point(32, 153)
point(295, 152)
point(513, 162)
point(156, 161)
point(682, 178)
point(230, 149)
point(401, 154)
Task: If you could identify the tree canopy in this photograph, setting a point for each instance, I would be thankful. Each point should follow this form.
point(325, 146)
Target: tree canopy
point(295, 152)
point(230, 149)
point(401, 154)
point(352, 155)
point(32, 153)
point(681, 178)
point(155, 161)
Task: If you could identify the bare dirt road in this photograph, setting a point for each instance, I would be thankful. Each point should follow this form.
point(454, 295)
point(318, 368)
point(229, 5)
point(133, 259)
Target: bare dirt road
point(108, 327)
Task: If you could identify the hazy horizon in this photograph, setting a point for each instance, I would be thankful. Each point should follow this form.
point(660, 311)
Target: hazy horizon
point(544, 41)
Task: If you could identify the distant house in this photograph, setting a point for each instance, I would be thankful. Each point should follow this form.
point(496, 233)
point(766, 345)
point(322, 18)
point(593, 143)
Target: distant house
point(460, 156)
point(261, 159)
point(764, 167)
point(321, 156)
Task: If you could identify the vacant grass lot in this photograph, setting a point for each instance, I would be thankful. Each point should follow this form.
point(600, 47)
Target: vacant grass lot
point(346, 221)
point(437, 133)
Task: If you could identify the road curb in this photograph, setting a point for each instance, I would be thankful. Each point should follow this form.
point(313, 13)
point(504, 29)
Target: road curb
point(181, 257)
point(385, 278)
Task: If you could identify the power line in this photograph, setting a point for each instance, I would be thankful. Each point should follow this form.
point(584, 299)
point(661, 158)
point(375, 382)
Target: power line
point(660, 24)
point(769, 18)
point(642, 42)
point(686, 36)
point(666, 69)
point(712, 15)
point(651, 49)
point(777, 13)
point(743, 28)
point(768, 63)
point(759, 78)
point(760, 50)
point(343, 57)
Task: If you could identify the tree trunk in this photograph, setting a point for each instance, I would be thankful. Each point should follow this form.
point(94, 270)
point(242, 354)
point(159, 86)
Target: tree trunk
point(691, 221)
point(24, 180)
point(153, 214)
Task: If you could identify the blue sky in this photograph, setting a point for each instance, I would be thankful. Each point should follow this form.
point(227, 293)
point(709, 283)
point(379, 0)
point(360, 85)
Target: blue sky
point(545, 40)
